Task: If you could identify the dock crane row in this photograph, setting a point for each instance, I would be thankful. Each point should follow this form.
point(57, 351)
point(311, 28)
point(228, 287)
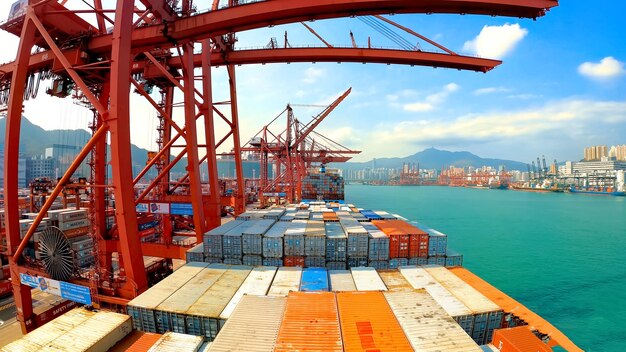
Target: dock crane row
point(164, 51)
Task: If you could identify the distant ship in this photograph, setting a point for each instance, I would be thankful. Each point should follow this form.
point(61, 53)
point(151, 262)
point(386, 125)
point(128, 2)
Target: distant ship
point(600, 192)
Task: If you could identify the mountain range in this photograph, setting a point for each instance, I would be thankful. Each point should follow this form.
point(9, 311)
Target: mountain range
point(433, 158)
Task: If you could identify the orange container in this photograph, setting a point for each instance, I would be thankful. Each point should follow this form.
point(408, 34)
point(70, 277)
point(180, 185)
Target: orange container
point(368, 324)
point(310, 323)
point(518, 339)
point(330, 217)
point(136, 341)
point(294, 261)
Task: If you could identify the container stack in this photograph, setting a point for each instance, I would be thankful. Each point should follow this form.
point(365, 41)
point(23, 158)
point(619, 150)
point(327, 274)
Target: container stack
point(336, 243)
point(407, 243)
point(294, 243)
point(213, 243)
point(252, 238)
point(315, 244)
point(328, 186)
point(357, 246)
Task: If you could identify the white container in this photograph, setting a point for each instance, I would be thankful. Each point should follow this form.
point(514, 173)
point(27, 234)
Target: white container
point(421, 279)
point(252, 327)
point(287, 279)
point(426, 325)
point(73, 224)
point(341, 280)
point(367, 279)
point(257, 284)
point(175, 342)
point(72, 215)
point(99, 333)
point(474, 300)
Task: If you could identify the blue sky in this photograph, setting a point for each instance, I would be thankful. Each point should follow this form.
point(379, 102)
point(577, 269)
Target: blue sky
point(561, 86)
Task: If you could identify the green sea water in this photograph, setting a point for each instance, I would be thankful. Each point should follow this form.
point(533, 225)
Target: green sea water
point(562, 255)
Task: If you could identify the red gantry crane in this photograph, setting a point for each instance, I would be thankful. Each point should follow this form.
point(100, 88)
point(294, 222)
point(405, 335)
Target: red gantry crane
point(292, 152)
point(164, 51)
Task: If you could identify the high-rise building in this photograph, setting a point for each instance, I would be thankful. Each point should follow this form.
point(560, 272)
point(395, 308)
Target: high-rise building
point(21, 169)
point(64, 155)
point(38, 167)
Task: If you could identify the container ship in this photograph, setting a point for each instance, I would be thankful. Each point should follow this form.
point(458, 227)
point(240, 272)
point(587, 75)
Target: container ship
point(322, 275)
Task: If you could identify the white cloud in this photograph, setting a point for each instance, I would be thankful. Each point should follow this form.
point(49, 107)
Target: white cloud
point(312, 74)
point(433, 100)
point(490, 90)
point(496, 41)
point(607, 68)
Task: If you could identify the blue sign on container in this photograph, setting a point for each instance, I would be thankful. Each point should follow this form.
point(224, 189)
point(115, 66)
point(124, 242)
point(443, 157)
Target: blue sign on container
point(75, 293)
point(314, 279)
point(181, 209)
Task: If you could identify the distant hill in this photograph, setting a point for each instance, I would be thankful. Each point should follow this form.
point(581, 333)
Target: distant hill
point(432, 158)
point(34, 140)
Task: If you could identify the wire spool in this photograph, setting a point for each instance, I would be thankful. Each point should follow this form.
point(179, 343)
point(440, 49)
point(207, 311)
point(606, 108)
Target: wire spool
point(56, 254)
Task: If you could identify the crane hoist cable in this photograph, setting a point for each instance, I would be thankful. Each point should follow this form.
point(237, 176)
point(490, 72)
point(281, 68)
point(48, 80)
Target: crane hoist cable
point(384, 29)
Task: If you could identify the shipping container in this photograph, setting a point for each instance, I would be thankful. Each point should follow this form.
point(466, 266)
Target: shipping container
point(176, 342)
point(406, 240)
point(294, 238)
point(418, 261)
point(440, 261)
point(141, 308)
point(293, 261)
point(232, 241)
point(272, 262)
point(252, 327)
point(379, 264)
point(98, 333)
point(314, 262)
point(70, 215)
point(213, 239)
point(367, 279)
point(202, 318)
point(370, 215)
point(195, 254)
point(287, 279)
point(437, 242)
point(419, 278)
point(336, 265)
point(273, 240)
point(426, 325)
point(274, 214)
point(482, 308)
point(171, 313)
point(314, 279)
point(252, 237)
point(368, 323)
point(315, 239)
point(453, 259)
point(519, 339)
point(310, 323)
point(384, 215)
point(257, 283)
point(341, 280)
point(336, 242)
point(355, 262)
point(136, 341)
point(398, 262)
point(252, 260)
point(357, 238)
point(395, 281)
point(378, 244)
point(330, 217)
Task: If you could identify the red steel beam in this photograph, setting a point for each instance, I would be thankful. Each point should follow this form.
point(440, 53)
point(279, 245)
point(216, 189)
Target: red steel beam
point(269, 13)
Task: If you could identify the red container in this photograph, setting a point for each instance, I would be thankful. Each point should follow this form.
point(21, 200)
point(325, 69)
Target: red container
point(294, 261)
point(5, 288)
point(519, 339)
point(398, 246)
point(418, 245)
point(405, 240)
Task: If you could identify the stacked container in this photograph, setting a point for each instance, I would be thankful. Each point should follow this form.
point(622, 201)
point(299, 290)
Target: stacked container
point(252, 238)
point(213, 240)
point(273, 241)
point(323, 185)
point(487, 315)
point(314, 279)
point(341, 280)
point(310, 322)
point(315, 244)
point(287, 279)
point(257, 283)
point(195, 254)
point(336, 242)
point(294, 243)
point(367, 279)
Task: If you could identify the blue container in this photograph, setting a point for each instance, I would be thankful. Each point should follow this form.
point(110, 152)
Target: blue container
point(314, 279)
point(371, 215)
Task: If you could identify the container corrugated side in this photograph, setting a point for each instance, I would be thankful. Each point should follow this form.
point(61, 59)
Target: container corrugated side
point(172, 312)
point(368, 324)
point(427, 326)
point(310, 322)
point(378, 245)
point(336, 242)
point(232, 240)
point(99, 333)
point(252, 238)
point(341, 280)
point(141, 308)
point(175, 342)
point(294, 238)
point(252, 327)
point(47, 333)
point(257, 283)
point(203, 316)
point(287, 279)
point(273, 240)
point(419, 278)
point(314, 279)
point(367, 279)
point(395, 281)
point(195, 253)
point(213, 239)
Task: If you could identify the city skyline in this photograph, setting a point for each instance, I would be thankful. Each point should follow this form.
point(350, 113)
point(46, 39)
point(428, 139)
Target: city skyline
point(560, 88)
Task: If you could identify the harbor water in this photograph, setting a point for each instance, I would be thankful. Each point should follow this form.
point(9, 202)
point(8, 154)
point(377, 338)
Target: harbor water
point(562, 255)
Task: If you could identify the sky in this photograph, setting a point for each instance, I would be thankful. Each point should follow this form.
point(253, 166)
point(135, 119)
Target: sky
point(561, 87)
